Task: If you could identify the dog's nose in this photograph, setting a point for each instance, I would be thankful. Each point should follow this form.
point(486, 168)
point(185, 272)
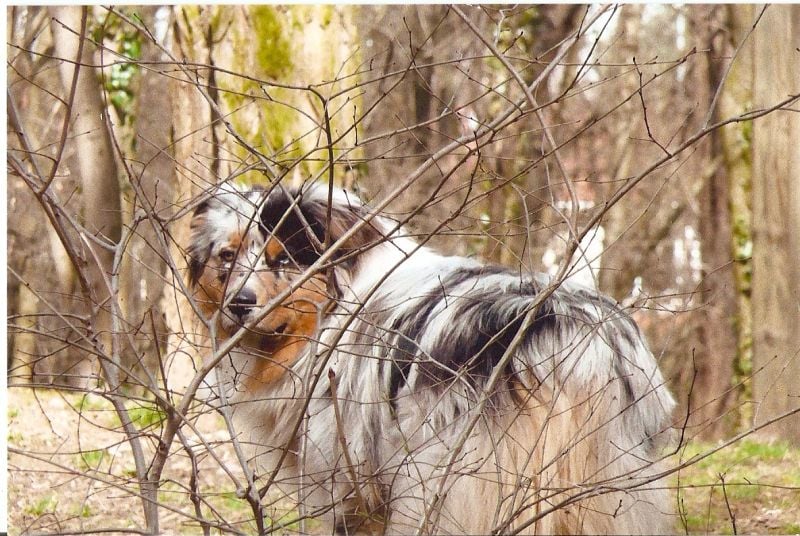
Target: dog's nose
point(242, 303)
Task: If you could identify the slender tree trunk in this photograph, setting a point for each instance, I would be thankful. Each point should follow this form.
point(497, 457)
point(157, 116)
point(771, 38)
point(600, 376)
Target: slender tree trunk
point(735, 142)
point(92, 158)
point(94, 153)
point(191, 124)
point(153, 179)
point(713, 401)
point(776, 222)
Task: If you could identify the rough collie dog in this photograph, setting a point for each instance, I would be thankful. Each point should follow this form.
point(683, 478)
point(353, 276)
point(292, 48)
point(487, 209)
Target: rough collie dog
point(399, 390)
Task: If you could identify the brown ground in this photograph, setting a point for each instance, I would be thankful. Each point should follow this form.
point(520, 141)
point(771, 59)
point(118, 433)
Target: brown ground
point(70, 469)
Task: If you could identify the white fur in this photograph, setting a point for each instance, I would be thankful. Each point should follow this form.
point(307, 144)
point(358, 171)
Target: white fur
point(576, 440)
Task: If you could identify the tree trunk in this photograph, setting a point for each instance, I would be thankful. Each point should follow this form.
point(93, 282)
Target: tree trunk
point(776, 222)
point(714, 401)
point(191, 123)
point(91, 159)
point(736, 143)
point(94, 158)
point(153, 169)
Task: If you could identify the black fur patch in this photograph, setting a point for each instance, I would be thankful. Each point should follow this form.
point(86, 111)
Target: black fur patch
point(295, 235)
point(280, 219)
point(197, 262)
point(202, 208)
point(487, 323)
point(408, 328)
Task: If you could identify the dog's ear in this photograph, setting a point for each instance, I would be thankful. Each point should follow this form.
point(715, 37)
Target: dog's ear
point(301, 234)
point(346, 213)
point(301, 220)
point(200, 244)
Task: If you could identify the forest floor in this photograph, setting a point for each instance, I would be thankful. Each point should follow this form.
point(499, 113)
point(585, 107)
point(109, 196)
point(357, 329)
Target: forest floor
point(71, 471)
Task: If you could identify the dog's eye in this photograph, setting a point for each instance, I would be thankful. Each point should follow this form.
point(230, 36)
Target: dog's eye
point(281, 261)
point(227, 255)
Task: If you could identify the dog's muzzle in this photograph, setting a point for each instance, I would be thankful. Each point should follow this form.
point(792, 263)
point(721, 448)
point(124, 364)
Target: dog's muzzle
point(242, 304)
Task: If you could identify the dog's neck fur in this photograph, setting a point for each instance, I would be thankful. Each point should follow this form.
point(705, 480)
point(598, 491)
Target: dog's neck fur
point(278, 405)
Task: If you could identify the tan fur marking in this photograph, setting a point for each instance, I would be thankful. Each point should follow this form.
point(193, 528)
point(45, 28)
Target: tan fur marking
point(235, 240)
point(299, 312)
point(209, 288)
point(274, 249)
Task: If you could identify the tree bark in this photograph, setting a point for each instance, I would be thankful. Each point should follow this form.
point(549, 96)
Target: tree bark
point(91, 158)
point(718, 408)
point(776, 222)
point(153, 169)
point(94, 153)
point(191, 124)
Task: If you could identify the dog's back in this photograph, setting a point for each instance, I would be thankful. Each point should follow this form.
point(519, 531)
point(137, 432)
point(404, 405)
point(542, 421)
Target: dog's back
point(578, 411)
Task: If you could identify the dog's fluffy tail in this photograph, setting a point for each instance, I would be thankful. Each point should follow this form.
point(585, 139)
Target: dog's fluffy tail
point(570, 445)
point(601, 415)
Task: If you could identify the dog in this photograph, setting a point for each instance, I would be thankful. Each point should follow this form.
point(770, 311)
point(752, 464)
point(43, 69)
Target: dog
point(399, 390)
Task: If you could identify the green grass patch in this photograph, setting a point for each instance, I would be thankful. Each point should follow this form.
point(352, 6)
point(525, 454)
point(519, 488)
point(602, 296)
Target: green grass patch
point(90, 402)
point(755, 477)
point(145, 414)
point(231, 502)
point(91, 459)
point(84, 511)
point(13, 438)
point(791, 528)
point(45, 505)
point(289, 521)
point(764, 451)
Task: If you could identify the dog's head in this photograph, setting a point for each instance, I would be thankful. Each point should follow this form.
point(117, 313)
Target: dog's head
point(249, 246)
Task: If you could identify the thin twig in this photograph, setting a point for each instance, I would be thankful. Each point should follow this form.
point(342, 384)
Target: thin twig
point(731, 515)
point(644, 111)
point(350, 466)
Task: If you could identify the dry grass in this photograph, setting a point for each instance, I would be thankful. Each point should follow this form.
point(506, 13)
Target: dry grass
point(71, 470)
